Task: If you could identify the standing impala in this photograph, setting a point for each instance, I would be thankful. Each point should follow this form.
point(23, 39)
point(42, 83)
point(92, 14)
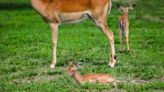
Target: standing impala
point(123, 25)
point(56, 12)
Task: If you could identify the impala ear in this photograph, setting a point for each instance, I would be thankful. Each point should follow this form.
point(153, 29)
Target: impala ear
point(70, 63)
point(120, 7)
point(131, 7)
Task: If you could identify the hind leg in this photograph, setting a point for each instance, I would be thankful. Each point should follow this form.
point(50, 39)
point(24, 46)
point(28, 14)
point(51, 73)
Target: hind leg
point(100, 18)
point(127, 38)
point(102, 24)
point(121, 39)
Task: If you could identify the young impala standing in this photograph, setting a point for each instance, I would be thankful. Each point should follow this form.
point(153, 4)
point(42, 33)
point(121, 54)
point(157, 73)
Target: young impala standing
point(123, 26)
point(56, 12)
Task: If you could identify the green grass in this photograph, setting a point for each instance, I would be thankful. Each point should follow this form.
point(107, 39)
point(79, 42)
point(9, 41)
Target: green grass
point(26, 50)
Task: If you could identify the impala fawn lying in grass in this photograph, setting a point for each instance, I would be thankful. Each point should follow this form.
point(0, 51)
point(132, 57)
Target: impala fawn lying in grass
point(91, 78)
point(123, 25)
point(57, 12)
point(97, 78)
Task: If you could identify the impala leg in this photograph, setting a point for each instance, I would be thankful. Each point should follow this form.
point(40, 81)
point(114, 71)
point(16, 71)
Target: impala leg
point(103, 26)
point(54, 28)
point(127, 38)
point(101, 21)
point(121, 39)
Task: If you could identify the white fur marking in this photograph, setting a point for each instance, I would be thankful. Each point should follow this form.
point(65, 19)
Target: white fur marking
point(73, 16)
point(52, 66)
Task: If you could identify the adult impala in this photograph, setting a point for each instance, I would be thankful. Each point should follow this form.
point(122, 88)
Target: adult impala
point(56, 12)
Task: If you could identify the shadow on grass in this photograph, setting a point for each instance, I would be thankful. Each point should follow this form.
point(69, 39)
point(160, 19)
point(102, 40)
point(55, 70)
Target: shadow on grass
point(14, 6)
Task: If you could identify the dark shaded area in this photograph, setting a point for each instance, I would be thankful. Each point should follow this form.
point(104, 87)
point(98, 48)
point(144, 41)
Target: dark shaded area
point(14, 6)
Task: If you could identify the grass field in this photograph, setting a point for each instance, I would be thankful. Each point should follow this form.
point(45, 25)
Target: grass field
point(26, 50)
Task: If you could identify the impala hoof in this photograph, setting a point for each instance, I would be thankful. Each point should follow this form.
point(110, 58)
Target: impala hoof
point(52, 66)
point(111, 65)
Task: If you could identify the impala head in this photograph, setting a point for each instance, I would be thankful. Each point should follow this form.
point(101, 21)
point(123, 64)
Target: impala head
point(126, 9)
point(72, 68)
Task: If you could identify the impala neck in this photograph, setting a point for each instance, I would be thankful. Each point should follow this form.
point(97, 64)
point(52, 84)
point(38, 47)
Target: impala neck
point(78, 77)
point(126, 14)
point(40, 5)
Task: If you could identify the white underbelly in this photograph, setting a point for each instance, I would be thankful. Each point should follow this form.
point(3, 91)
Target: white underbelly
point(72, 17)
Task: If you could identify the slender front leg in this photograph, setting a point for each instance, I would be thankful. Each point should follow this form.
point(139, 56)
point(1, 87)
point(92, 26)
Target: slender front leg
point(54, 28)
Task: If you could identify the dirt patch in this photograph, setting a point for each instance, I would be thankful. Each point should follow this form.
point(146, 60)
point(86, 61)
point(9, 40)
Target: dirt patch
point(125, 1)
point(35, 79)
point(44, 74)
point(114, 90)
